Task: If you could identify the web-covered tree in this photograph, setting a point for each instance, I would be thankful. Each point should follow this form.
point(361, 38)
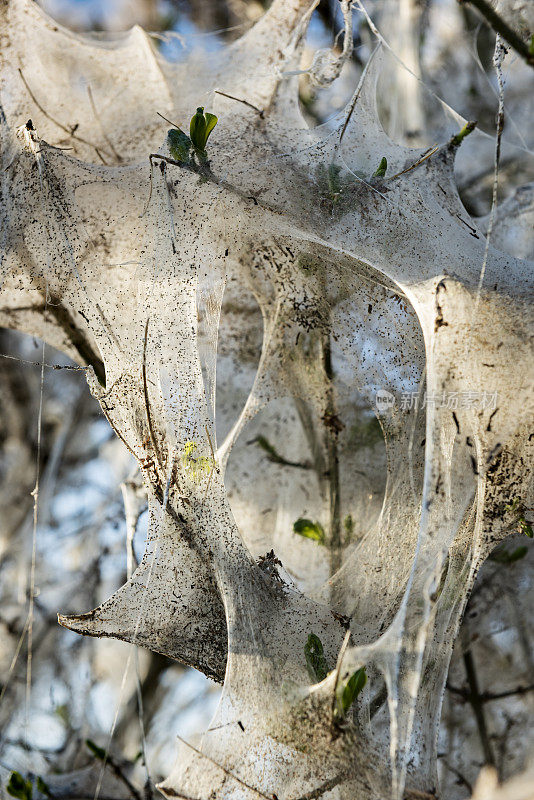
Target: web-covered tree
point(374, 285)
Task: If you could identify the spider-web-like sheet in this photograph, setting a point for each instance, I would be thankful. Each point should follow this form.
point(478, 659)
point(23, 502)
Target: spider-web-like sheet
point(365, 287)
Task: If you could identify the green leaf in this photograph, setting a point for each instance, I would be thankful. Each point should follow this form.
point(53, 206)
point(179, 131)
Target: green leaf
point(62, 712)
point(348, 691)
point(513, 506)
point(200, 127)
point(179, 145)
point(197, 128)
point(310, 530)
point(503, 556)
point(19, 787)
point(516, 507)
point(334, 180)
point(97, 751)
point(211, 122)
point(315, 660)
point(43, 787)
point(382, 167)
point(348, 524)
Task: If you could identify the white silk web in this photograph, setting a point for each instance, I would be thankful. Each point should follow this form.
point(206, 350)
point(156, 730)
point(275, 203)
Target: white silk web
point(332, 296)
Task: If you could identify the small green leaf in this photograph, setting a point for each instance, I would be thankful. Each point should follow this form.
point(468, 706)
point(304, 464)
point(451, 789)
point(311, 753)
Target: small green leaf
point(310, 530)
point(531, 45)
point(19, 787)
point(179, 145)
point(97, 751)
point(43, 787)
point(348, 524)
point(468, 128)
point(211, 122)
point(334, 180)
point(200, 127)
point(382, 167)
point(503, 556)
point(315, 660)
point(348, 691)
point(513, 506)
point(197, 128)
point(516, 507)
point(62, 712)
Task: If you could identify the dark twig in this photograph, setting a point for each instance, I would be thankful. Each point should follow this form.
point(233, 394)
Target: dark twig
point(147, 403)
point(478, 707)
point(258, 111)
point(274, 456)
point(117, 771)
point(69, 131)
point(48, 366)
point(331, 431)
point(426, 155)
point(226, 771)
point(487, 697)
point(501, 27)
point(378, 701)
point(324, 787)
point(462, 779)
point(169, 121)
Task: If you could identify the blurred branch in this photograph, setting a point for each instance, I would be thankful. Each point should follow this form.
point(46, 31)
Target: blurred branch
point(478, 707)
point(462, 779)
point(503, 29)
point(487, 697)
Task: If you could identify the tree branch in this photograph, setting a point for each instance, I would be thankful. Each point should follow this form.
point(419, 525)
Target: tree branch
point(487, 697)
point(478, 708)
point(503, 29)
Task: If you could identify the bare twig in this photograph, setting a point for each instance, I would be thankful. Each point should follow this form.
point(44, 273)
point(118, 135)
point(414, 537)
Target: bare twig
point(226, 771)
point(501, 27)
point(478, 708)
point(118, 772)
point(69, 131)
point(48, 366)
point(174, 124)
point(420, 161)
point(356, 97)
point(324, 787)
point(463, 780)
point(258, 111)
point(331, 430)
point(378, 701)
point(147, 403)
point(274, 456)
point(488, 697)
point(213, 464)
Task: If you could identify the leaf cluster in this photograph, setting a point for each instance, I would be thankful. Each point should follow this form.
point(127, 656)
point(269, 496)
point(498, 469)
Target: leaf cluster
point(22, 788)
point(182, 146)
point(346, 690)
